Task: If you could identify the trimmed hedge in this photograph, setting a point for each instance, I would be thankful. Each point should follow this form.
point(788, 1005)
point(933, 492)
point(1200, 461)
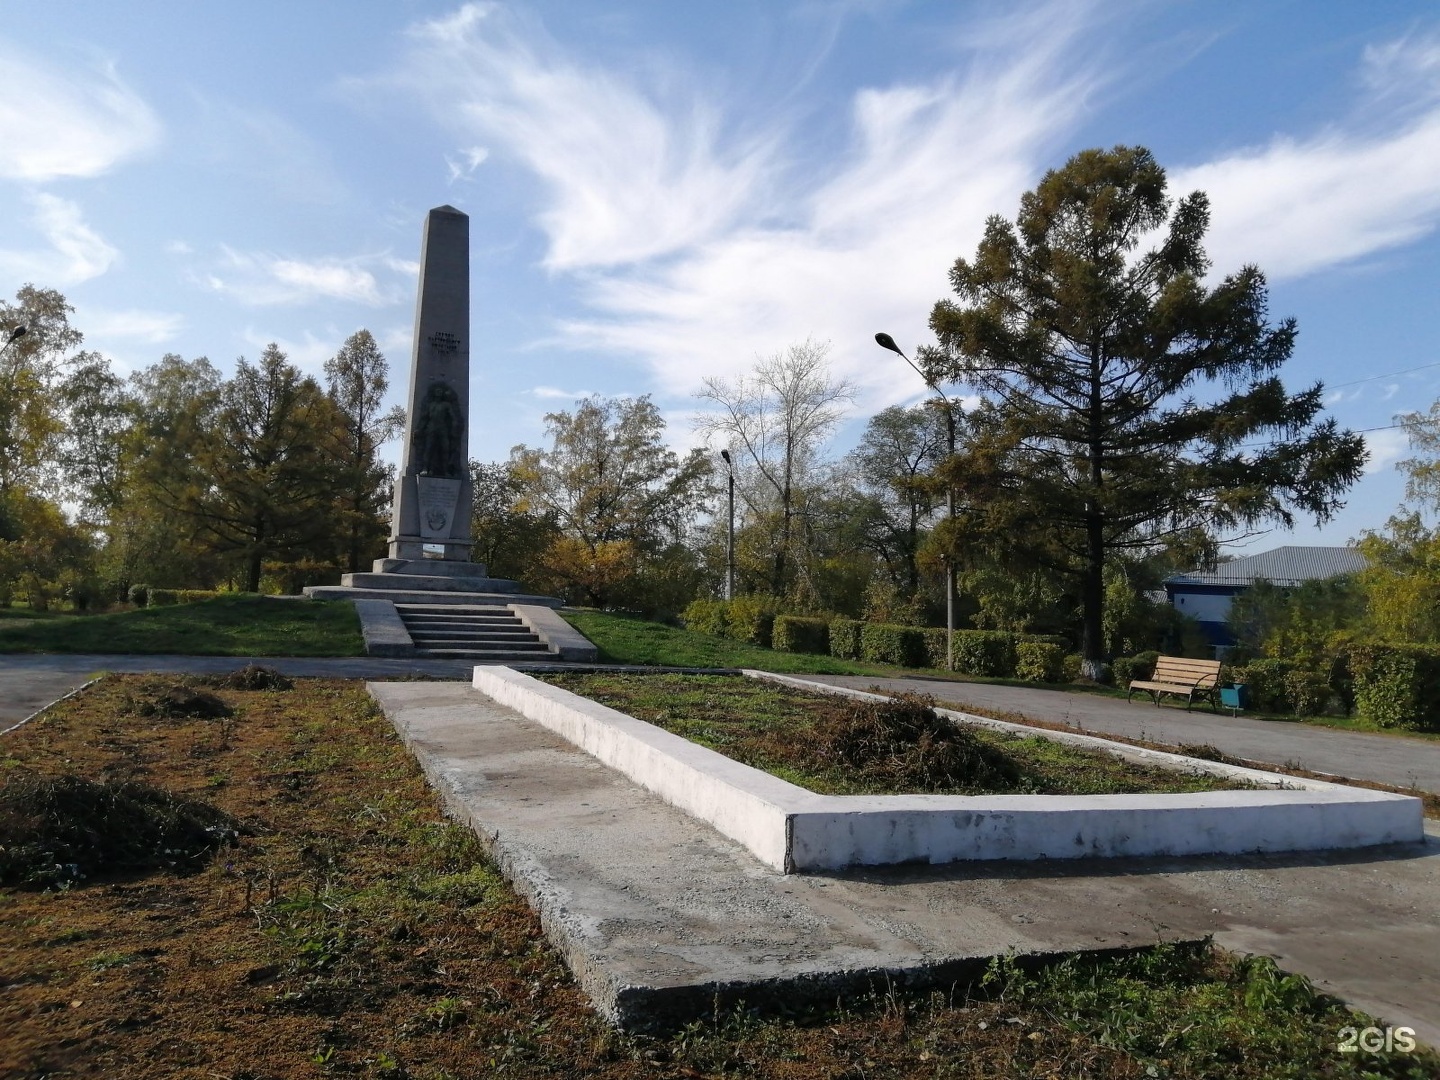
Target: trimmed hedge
point(885, 643)
point(750, 619)
point(1397, 685)
point(170, 597)
point(845, 638)
point(1128, 669)
point(800, 634)
point(706, 617)
point(1039, 661)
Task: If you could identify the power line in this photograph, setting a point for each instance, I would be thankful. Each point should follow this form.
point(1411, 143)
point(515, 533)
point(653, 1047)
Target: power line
point(1388, 375)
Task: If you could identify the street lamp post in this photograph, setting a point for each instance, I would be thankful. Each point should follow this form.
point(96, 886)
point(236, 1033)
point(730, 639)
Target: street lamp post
point(885, 341)
point(730, 528)
point(15, 335)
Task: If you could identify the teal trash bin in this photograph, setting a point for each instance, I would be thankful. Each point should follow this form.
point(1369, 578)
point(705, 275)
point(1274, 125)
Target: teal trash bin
point(1234, 697)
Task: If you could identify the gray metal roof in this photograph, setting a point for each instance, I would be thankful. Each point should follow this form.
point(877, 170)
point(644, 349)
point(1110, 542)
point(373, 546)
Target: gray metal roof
point(1283, 566)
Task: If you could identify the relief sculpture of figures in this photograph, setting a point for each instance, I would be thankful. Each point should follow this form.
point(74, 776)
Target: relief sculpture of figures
point(439, 432)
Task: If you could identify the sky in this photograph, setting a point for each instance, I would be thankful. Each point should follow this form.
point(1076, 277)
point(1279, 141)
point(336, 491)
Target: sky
point(661, 192)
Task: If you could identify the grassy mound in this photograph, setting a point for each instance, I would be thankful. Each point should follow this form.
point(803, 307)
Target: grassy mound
point(55, 830)
point(176, 701)
point(904, 741)
point(251, 677)
point(229, 625)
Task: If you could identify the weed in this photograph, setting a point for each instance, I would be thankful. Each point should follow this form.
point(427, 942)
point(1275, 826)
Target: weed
point(54, 831)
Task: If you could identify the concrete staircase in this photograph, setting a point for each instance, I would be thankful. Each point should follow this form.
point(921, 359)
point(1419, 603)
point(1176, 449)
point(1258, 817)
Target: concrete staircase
point(471, 632)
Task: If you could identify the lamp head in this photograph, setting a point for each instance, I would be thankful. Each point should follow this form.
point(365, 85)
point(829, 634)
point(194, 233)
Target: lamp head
point(17, 334)
point(725, 454)
point(885, 341)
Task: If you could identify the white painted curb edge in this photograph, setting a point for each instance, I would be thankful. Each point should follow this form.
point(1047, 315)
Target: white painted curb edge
point(790, 829)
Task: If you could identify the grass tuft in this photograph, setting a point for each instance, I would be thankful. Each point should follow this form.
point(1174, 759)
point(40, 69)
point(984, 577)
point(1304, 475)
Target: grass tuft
point(58, 830)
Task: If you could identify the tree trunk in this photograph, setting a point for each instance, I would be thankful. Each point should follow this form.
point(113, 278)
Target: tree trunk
point(252, 572)
point(1092, 606)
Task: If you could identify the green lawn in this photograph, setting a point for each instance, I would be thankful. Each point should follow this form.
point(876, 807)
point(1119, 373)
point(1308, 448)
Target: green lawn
point(240, 625)
point(629, 639)
point(835, 746)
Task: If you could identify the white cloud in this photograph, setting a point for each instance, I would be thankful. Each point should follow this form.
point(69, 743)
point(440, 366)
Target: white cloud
point(1386, 448)
point(463, 165)
point(308, 354)
point(150, 327)
point(698, 246)
point(58, 123)
point(262, 279)
point(76, 252)
point(1301, 205)
point(627, 178)
point(555, 393)
point(179, 247)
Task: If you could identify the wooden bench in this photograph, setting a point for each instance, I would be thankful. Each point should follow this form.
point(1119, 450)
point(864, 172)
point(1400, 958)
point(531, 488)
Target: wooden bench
point(1177, 675)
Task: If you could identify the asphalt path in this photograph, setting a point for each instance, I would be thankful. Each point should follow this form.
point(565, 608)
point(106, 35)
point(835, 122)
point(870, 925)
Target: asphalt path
point(29, 682)
point(1399, 760)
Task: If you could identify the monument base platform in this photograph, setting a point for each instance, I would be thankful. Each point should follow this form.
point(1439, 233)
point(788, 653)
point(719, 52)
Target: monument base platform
point(430, 581)
point(446, 607)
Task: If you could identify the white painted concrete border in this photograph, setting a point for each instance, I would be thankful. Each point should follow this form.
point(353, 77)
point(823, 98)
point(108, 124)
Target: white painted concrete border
point(792, 829)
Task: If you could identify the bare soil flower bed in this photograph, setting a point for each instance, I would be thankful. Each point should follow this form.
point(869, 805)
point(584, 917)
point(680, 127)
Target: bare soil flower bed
point(347, 929)
point(837, 746)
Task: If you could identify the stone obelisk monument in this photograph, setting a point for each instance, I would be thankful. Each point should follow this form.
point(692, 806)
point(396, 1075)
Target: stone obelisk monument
point(432, 491)
point(428, 598)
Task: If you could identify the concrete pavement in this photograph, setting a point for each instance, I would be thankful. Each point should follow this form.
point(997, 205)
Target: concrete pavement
point(1387, 759)
point(659, 916)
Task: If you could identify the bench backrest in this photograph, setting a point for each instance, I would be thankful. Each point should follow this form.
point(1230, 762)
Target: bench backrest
point(1179, 669)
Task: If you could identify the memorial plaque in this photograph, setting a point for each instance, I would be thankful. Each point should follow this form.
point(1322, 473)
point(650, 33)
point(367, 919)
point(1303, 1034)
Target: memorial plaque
point(438, 497)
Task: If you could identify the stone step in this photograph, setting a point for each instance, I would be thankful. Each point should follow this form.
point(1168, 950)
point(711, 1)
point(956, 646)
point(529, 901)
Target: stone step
point(471, 643)
point(419, 596)
point(498, 641)
point(467, 635)
point(413, 582)
point(422, 617)
point(489, 656)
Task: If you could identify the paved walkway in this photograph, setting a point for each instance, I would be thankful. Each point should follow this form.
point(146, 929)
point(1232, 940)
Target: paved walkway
point(658, 915)
point(29, 682)
point(1387, 759)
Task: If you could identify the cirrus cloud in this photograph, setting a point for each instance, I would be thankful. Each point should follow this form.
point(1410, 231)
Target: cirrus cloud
point(68, 123)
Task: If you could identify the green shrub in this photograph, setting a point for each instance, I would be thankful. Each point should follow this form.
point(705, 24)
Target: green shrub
point(1128, 669)
point(1267, 683)
point(1397, 685)
point(883, 643)
point(194, 596)
point(989, 653)
point(139, 595)
point(162, 598)
point(1039, 661)
point(800, 634)
point(845, 638)
point(1070, 667)
point(751, 619)
point(1309, 692)
point(935, 646)
point(706, 617)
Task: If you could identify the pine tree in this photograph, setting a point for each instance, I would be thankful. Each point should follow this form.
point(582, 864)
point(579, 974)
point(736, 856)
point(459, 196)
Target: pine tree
point(1126, 404)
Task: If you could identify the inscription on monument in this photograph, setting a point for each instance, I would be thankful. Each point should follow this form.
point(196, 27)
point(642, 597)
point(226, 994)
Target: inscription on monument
point(443, 342)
